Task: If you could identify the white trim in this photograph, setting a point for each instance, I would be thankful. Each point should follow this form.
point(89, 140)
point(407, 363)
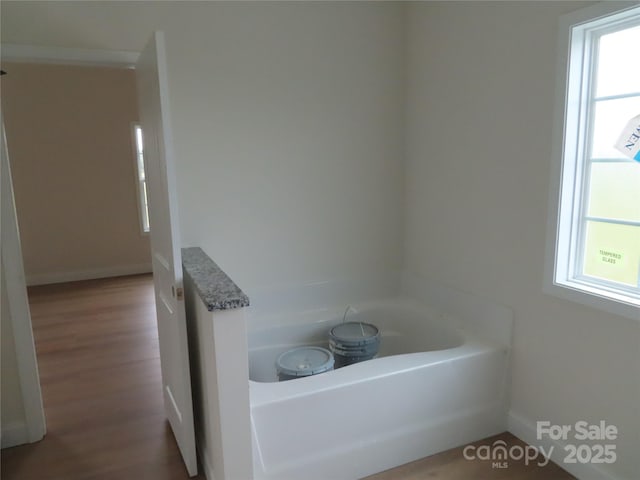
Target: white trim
point(14, 434)
point(525, 430)
point(27, 364)
point(90, 274)
point(559, 247)
point(68, 56)
point(153, 102)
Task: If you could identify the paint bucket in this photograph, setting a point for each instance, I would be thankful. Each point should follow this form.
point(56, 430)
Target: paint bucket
point(353, 342)
point(303, 362)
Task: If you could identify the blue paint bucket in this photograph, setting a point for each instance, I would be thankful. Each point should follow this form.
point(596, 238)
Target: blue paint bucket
point(303, 362)
point(353, 342)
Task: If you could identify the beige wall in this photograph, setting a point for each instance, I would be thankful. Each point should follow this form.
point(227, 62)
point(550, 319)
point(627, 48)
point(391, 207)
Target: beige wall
point(480, 115)
point(70, 144)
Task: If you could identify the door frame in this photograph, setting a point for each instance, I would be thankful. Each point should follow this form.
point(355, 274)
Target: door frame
point(23, 331)
point(34, 427)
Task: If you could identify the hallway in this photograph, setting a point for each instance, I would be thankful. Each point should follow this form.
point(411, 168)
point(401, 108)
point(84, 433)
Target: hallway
point(97, 348)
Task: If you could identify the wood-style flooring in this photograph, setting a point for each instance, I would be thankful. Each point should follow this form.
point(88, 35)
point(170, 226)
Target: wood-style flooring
point(97, 347)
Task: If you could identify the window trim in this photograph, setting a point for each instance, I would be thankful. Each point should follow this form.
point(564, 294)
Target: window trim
point(560, 217)
point(138, 182)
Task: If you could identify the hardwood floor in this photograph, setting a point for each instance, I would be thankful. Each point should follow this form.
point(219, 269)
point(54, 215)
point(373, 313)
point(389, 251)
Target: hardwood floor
point(97, 347)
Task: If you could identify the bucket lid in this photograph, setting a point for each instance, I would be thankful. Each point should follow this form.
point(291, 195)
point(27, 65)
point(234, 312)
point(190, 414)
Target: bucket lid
point(305, 361)
point(355, 333)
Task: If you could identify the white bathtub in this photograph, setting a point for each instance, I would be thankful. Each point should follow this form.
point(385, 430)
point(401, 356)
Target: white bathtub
point(433, 387)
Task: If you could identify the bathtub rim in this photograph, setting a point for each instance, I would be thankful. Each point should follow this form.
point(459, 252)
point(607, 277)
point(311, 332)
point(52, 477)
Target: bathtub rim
point(264, 393)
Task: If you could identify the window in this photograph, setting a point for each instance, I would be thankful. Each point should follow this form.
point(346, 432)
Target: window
point(596, 249)
point(143, 205)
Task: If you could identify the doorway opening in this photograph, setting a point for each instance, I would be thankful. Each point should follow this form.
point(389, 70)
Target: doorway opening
point(96, 339)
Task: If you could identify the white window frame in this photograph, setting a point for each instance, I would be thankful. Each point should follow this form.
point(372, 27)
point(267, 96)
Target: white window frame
point(143, 210)
point(566, 184)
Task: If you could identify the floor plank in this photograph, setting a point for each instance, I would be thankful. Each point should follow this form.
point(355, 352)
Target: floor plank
point(97, 346)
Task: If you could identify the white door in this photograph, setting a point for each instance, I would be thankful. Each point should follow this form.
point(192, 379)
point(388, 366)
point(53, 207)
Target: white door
point(153, 101)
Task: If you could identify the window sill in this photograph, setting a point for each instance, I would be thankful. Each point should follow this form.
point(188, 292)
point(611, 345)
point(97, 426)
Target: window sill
point(600, 299)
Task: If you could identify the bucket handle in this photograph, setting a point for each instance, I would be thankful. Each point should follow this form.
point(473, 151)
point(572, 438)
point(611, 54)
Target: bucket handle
point(349, 307)
point(344, 317)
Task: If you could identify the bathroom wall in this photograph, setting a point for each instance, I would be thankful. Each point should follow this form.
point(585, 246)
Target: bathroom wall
point(70, 144)
point(480, 115)
point(289, 131)
point(287, 121)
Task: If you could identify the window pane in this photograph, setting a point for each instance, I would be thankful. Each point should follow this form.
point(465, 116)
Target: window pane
point(611, 116)
point(619, 68)
point(612, 252)
point(139, 144)
point(615, 191)
point(141, 168)
point(145, 208)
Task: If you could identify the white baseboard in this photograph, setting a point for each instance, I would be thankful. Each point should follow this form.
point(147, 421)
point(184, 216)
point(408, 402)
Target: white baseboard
point(76, 275)
point(525, 430)
point(13, 434)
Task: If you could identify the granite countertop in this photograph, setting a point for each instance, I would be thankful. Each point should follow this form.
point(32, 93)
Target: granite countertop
point(215, 288)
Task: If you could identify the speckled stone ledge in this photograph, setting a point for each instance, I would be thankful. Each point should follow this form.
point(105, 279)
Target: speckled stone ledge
point(215, 288)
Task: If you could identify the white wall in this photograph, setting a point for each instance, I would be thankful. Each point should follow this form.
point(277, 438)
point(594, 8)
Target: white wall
point(288, 124)
point(480, 112)
point(289, 139)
